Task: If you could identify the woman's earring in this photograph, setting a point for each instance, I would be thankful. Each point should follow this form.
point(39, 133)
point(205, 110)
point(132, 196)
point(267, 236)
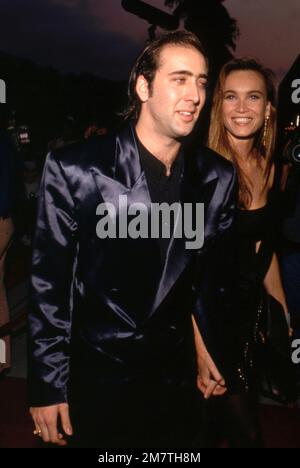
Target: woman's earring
point(266, 128)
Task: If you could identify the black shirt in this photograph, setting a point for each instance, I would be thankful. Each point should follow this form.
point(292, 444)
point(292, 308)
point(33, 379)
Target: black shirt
point(162, 188)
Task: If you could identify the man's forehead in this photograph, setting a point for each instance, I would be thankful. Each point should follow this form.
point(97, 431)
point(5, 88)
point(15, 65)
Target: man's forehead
point(173, 55)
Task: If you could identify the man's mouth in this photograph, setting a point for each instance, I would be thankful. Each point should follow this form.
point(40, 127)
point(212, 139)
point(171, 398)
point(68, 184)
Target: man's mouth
point(187, 116)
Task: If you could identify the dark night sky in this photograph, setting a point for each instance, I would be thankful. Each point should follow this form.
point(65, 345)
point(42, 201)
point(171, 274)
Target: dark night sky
point(99, 37)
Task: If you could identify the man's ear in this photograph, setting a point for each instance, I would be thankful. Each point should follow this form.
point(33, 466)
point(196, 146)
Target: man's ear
point(142, 88)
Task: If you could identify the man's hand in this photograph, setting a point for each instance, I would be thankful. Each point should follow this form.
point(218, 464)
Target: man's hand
point(45, 419)
point(209, 380)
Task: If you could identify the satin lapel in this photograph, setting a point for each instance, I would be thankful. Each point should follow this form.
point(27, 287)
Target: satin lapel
point(121, 174)
point(198, 186)
point(204, 191)
point(177, 259)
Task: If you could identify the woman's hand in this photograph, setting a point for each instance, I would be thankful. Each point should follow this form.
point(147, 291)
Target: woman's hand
point(209, 380)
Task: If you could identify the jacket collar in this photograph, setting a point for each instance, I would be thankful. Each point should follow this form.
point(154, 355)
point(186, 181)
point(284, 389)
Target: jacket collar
point(123, 174)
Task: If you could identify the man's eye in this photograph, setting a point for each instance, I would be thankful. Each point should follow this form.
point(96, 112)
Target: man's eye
point(180, 80)
point(202, 84)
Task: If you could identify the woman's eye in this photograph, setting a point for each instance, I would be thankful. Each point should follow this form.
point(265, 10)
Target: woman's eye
point(254, 97)
point(229, 97)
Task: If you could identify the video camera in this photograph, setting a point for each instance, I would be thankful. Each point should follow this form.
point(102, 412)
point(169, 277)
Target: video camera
point(23, 134)
point(291, 152)
point(19, 134)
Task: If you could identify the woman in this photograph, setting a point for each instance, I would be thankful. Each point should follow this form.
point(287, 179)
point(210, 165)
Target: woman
point(242, 129)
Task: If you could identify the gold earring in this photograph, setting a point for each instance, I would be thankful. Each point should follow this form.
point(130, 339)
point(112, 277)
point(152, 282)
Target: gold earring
point(266, 125)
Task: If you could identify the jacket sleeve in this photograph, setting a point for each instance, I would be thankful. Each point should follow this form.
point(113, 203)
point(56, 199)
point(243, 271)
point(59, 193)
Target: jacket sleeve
point(50, 305)
point(215, 272)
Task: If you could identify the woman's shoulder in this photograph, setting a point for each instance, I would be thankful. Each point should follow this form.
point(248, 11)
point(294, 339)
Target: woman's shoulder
point(213, 160)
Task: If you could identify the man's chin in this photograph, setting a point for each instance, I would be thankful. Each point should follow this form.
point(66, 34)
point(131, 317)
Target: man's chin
point(185, 131)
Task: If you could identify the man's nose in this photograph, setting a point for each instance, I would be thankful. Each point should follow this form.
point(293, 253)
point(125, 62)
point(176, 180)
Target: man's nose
point(193, 94)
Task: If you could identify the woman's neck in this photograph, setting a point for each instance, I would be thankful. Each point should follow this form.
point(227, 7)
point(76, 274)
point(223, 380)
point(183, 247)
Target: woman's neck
point(243, 150)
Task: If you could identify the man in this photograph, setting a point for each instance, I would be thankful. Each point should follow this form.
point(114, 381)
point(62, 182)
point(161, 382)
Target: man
point(111, 336)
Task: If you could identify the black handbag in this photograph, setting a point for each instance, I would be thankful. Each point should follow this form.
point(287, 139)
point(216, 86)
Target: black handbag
point(277, 371)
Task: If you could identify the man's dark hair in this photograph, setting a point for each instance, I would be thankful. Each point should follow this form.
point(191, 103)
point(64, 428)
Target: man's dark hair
point(147, 63)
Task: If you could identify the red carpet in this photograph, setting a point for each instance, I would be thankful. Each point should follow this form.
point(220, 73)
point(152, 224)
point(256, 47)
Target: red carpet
point(281, 426)
point(15, 422)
